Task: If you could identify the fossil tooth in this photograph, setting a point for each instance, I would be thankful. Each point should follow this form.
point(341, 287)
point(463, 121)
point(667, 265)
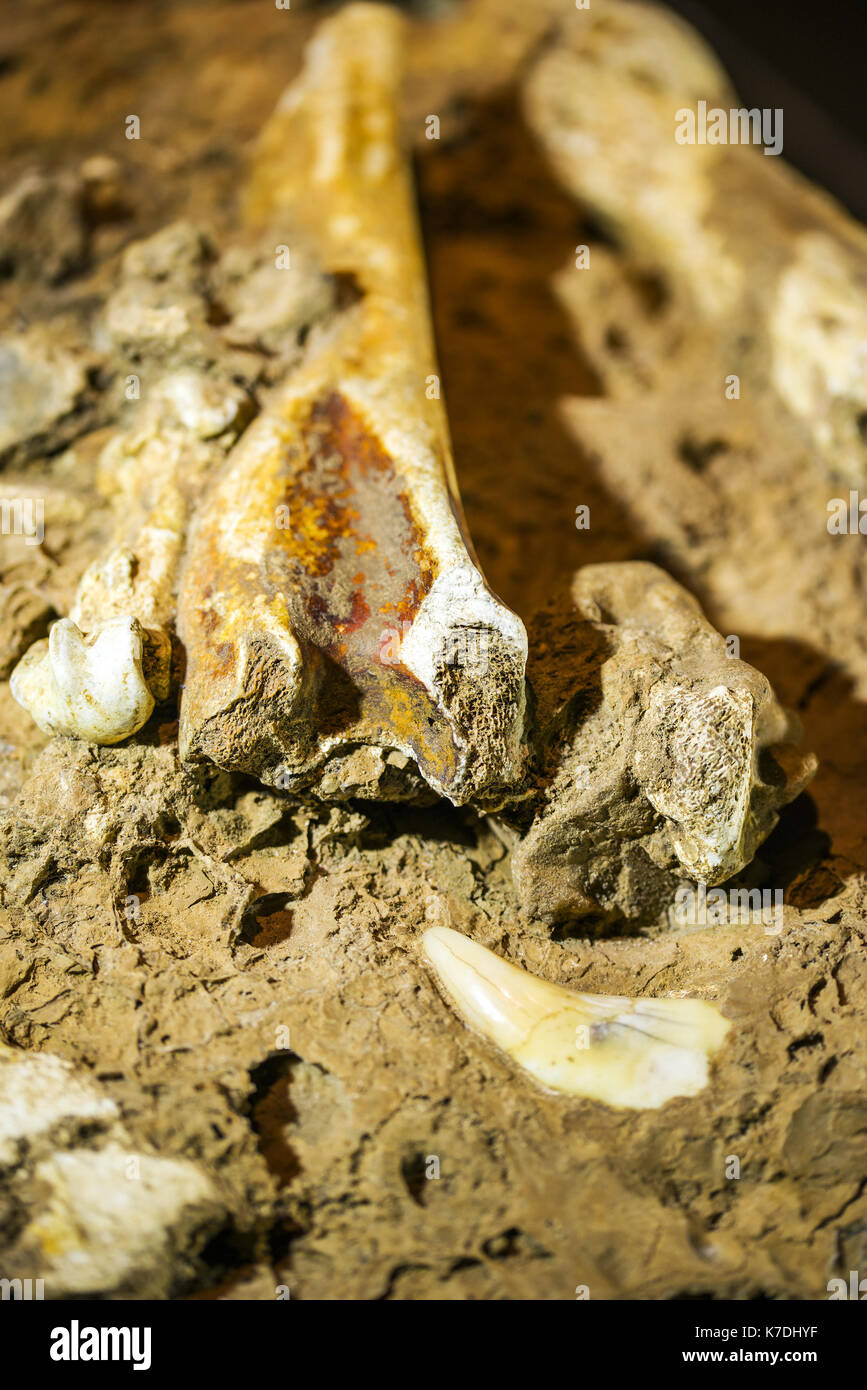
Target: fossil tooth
point(64, 683)
point(93, 687)
point(631, 1053)
point(330, 599)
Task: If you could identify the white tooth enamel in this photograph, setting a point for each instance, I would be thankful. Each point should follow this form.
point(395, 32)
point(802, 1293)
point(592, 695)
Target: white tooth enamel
point(88, 687)
point(635, 1053)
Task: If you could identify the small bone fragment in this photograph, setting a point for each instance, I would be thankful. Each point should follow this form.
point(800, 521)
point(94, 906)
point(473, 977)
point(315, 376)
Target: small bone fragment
point(41, 1096)
point(119, 626)
point(42, 231)
point(662, 758)
point(628, 1053)
point(772, 262)
point(92, 687)
point(43, 391)
point(330, 598)
point(95, 1217)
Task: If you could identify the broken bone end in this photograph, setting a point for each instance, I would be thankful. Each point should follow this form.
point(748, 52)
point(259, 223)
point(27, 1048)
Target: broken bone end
point(470, 652)
point(244, 703)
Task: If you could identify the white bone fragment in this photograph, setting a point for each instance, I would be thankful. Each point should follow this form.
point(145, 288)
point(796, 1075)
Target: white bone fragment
point(90, 686)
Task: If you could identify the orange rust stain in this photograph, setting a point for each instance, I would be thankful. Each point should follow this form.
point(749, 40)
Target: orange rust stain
point(224, 658)
point(358, 614)
point(345, 503)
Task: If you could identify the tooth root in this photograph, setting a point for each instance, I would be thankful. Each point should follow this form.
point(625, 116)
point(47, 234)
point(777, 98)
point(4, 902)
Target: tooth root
point(91, 687)
point(402, 644)
point(630, 1053)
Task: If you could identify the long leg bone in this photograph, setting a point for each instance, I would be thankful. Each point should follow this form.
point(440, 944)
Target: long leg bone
point(635, 1053)
point(331, 601)
point(336, 622)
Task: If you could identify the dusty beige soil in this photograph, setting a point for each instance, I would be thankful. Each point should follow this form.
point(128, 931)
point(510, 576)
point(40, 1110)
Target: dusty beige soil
point(240, 975)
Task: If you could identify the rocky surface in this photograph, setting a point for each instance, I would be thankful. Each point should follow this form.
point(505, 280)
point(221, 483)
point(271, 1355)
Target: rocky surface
point(79, 1205)
point(773, 262)
point(664, 758)
point(239, 977)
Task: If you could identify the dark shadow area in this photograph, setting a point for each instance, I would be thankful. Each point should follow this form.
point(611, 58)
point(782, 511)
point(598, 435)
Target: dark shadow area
point(792, 851)
point(497, 227)
point(441, 823)
point(807, 60)
point(268, 921)
point(272, 1113)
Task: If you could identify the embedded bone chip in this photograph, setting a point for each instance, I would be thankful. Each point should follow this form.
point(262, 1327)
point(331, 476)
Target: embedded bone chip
point(641, 124)
point(330, 600)
point(94, 1217)
point(629, 1053)
point(662, 758)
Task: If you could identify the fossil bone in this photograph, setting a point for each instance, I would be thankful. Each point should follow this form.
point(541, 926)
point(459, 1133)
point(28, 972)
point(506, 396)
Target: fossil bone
point(662, 756)
point(339, 634)
point(330, 599)
point(119, 628)
point(635, 1053)
point(335, 621)
point(773, 263)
